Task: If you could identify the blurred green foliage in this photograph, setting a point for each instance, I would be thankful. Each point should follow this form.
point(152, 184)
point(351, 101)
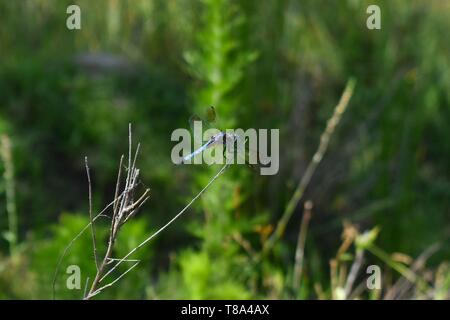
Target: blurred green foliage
point(271, 64)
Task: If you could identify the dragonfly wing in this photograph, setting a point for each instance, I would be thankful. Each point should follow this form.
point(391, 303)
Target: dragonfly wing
point(245, 158)
point(210, 117)
point(211, 114)
point(196, 118)
point(248, 156)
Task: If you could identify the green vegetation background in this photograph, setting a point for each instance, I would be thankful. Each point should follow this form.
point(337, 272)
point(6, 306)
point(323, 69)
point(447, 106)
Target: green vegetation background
point(262, 64)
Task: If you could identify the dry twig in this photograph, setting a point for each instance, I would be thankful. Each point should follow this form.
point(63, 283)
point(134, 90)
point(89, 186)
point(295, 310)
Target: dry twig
point(124, 208)
point(168, 223)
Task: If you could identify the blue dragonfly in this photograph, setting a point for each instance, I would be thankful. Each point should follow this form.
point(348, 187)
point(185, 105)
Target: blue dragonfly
point(228, 140)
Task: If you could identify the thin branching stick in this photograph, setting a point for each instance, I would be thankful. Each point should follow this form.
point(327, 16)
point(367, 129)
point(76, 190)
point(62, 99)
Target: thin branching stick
point(167, 224)
point(123, 211)
point(312, 166)
point(123, 208)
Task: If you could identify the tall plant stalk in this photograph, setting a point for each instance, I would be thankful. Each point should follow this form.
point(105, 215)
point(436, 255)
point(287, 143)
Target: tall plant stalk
point(311, 169)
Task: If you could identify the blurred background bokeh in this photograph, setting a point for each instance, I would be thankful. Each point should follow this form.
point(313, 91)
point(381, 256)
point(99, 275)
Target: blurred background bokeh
point(66, 94)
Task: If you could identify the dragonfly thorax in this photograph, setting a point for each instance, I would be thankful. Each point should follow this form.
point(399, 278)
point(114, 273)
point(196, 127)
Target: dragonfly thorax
point(221, 138)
